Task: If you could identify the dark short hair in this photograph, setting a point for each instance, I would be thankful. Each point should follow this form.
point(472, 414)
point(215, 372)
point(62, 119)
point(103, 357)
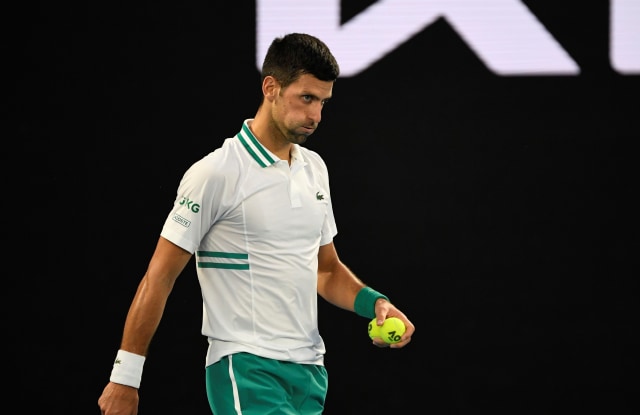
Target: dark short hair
point(295, 54)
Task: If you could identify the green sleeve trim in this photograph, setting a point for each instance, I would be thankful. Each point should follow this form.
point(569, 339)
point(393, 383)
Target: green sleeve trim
point(365, 303)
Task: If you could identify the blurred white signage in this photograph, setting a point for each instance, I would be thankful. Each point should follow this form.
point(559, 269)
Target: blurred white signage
point(504, 34)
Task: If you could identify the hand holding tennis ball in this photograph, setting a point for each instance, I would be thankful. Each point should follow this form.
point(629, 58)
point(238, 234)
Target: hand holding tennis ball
point(391, 330)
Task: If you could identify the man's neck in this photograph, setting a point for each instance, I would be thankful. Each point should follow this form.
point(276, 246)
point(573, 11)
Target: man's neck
point(271, 138)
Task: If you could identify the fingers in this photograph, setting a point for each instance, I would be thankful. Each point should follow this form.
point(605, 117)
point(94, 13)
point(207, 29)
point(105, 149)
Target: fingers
point(378, 342)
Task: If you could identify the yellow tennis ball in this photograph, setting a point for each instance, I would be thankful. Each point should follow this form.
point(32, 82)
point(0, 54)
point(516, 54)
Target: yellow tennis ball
point(392, 330)
point(374, 329)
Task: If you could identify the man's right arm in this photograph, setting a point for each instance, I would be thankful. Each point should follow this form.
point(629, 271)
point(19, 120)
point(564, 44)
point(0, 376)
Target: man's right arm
point(143, 319)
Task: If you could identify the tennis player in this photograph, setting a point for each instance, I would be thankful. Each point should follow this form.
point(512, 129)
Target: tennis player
point(257, 214)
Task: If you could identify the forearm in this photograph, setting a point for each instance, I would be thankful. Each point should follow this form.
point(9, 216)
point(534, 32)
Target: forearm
point(144, 315)
point(151, 296)
point(340, 286)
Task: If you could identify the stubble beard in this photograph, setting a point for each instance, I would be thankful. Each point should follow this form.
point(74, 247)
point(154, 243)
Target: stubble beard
point(295, 137)
point(299, 138)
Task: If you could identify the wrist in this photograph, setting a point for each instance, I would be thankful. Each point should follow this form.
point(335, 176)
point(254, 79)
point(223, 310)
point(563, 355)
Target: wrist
point(127, 369)
point(365, 302)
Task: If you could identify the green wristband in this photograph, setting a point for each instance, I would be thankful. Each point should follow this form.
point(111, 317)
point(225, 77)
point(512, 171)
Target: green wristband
point(365, 303)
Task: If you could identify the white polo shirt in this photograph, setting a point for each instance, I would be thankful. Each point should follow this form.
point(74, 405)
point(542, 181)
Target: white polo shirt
point(255, 224)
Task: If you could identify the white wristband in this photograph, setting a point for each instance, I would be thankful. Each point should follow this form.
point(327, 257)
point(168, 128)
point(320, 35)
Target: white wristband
point(127, 369)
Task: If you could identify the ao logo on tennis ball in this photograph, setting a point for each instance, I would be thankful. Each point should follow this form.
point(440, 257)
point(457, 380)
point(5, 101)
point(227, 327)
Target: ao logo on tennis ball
point(391, 330)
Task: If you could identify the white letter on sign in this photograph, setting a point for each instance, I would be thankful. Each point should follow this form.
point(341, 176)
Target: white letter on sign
point(625, 36)
point(504, 34)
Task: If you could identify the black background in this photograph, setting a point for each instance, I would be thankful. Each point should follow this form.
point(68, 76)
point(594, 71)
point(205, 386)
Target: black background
point(497, 212)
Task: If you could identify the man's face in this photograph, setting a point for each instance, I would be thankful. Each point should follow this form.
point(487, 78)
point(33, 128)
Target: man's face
point(297, 108)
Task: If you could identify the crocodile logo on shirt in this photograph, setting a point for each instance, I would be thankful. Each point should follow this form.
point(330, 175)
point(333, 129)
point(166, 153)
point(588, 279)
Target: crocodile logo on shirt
point(319, 196)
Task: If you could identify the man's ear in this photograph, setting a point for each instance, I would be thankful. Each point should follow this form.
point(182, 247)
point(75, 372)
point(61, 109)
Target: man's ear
point(270, 88)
